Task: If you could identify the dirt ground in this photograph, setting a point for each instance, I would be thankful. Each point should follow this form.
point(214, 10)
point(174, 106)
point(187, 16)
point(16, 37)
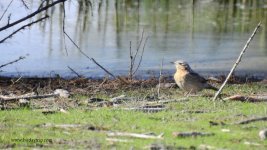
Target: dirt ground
point(88, 86)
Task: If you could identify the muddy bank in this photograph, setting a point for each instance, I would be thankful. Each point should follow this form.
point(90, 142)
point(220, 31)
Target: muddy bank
point(89, 86)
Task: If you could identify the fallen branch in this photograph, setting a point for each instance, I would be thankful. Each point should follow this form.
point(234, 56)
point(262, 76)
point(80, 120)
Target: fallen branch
point(71, 126)
point(31, 15)
point(191, 134)
point(259, 98)
point(252, 120)
point(23, 27)
point(237, 62)
point(169, 101)
point(51, 111)
point(118, 140)
point(146, 109)
point(135, 135)
point(6, 99)
point(195, 111)
point(14, 61)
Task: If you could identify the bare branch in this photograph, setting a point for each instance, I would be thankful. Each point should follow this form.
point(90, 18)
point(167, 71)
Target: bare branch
point(92, 59)
point(141, 56)
point(138, 47)
point(75, 72)
point(63, 27)
point(6, 10)
point(131, 63)
point(160, 74)
point(14, 61)
point(23, 27)
point(237, 61)
point(24, 4)
point(7, 99)
point(136, 135)
point(31, 15)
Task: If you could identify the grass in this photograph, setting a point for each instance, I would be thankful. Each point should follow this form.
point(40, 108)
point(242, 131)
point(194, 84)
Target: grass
point(24, 123)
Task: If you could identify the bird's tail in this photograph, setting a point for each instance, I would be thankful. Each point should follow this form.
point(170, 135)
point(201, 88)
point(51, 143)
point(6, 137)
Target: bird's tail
point(211, 87)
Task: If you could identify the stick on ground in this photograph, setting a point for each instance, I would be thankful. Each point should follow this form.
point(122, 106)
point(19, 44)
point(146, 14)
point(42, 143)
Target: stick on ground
point(135, 135)
point(237, 62)
point(191, 134)
point(252, 99)
point(6, 99)
point(252, 120)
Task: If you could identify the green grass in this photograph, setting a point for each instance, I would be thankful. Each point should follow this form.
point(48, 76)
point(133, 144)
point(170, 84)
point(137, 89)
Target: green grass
point(23, 123)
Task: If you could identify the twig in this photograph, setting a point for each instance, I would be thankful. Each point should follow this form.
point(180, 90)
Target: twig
point(141, 56)
point(146, 109)
point(31, 15)
point(237, 61)
point(160, 74)
point(170, 101)
point(195, 111)
point(118, 140)
point(23, 27)
point(14, 61)
point(258, 98)
point(252, 120)
point(131, 62)
point(6, 10)
point(6, 99)
point(51, 111)
point(92, 59)
point(65, 126)
point(63, 28)
point(25, 5)
point(138, 47)
point(133, 68)
point(135, 135)
point(191, 134)
point(75, 126)
point(75, 72)
point(17, 80)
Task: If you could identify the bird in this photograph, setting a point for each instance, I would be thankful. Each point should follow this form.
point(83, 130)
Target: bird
point(188, 80)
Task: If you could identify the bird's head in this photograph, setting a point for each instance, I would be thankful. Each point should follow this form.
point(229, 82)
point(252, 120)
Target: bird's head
point(181, 65)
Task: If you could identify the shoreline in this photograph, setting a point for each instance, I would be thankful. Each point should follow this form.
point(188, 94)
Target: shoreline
point(142, 74)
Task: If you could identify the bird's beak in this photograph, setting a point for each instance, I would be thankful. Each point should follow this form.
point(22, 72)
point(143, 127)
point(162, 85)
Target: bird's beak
point(172, 62)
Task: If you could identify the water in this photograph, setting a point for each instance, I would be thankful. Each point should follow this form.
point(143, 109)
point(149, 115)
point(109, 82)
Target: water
point(208, 34)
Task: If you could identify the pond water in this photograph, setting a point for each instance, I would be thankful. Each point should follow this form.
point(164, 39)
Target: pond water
point(208, 34)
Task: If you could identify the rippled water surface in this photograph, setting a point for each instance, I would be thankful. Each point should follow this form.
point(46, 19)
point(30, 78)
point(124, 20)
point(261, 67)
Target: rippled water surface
point(208, 34)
